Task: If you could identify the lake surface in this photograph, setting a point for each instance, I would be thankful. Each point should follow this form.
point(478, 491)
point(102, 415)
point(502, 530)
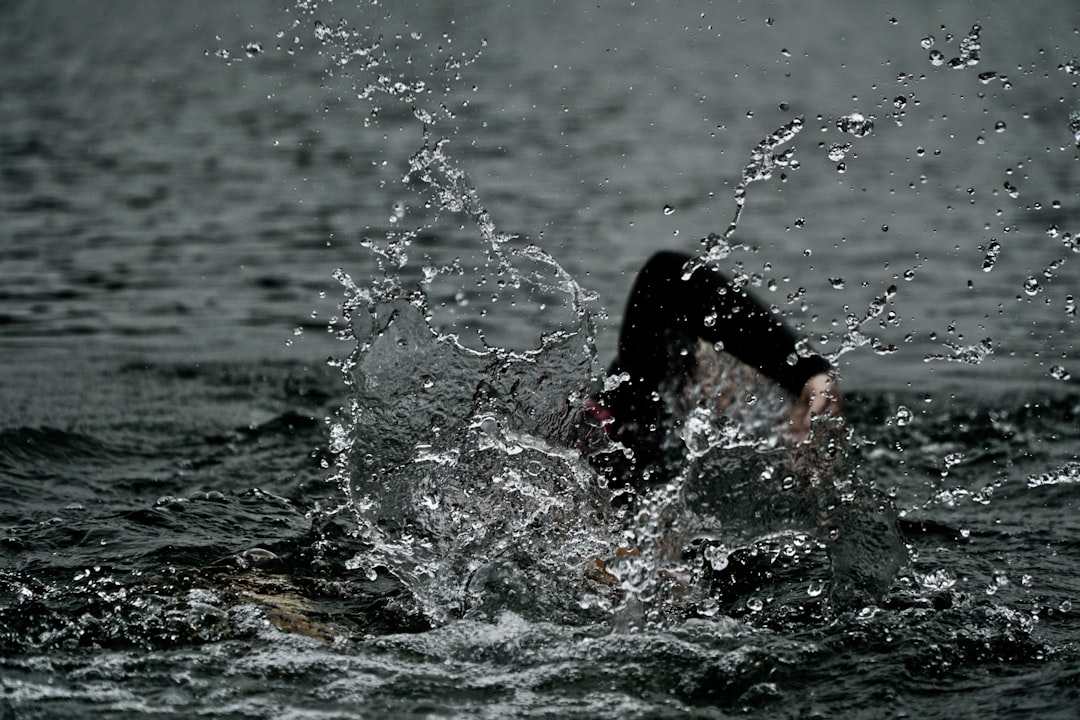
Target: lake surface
point(204, 517)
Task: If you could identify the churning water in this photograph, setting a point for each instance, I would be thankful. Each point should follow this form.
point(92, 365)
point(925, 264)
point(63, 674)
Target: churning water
point(204, 518)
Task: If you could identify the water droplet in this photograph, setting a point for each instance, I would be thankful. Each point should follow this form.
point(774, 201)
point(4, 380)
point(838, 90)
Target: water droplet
point(1011, 190)
point(927, 42)
point(838, 151)
point(999, 126)
point(903, 416)
point(754, 604)
point(668, 210)
point(815, 588)
point(937, 58)
point(856, 124)
point(1059, 373)
point(993, 250)
point(1031, 286)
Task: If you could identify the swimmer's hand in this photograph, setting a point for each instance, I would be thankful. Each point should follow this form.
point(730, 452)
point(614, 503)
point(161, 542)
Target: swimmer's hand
point(820, 396)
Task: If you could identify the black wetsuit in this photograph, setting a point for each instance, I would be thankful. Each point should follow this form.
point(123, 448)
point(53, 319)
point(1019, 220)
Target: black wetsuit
point(665, 318)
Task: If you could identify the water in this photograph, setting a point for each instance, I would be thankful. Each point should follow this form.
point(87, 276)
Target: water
point(205, 518)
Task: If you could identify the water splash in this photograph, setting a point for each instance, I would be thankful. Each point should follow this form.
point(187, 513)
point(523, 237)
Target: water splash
point(967, 354)
point(764, 160)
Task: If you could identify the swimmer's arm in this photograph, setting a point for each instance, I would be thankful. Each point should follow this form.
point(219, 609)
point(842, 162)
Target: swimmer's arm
point(820, 396)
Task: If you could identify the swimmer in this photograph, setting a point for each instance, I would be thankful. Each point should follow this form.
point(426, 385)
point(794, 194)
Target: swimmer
point(666, 319)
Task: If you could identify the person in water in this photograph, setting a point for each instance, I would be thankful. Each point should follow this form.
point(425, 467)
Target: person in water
point(666, 319)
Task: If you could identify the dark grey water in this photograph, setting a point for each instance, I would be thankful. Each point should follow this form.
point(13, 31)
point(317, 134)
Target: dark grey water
point(180, 522)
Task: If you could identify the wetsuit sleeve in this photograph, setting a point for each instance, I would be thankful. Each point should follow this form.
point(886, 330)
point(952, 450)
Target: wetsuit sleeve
point(666, 315)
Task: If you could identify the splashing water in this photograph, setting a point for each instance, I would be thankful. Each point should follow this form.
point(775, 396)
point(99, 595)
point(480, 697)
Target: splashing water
point(764, 160)
point(467, 470)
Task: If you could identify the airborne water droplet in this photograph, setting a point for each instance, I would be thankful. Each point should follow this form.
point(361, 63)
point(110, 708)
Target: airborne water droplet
point(1058, 372)
point(993, 250)
point(856, 124)
point(838, 151)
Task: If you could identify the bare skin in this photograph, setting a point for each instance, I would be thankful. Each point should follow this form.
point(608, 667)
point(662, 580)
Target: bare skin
point(820, 396)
